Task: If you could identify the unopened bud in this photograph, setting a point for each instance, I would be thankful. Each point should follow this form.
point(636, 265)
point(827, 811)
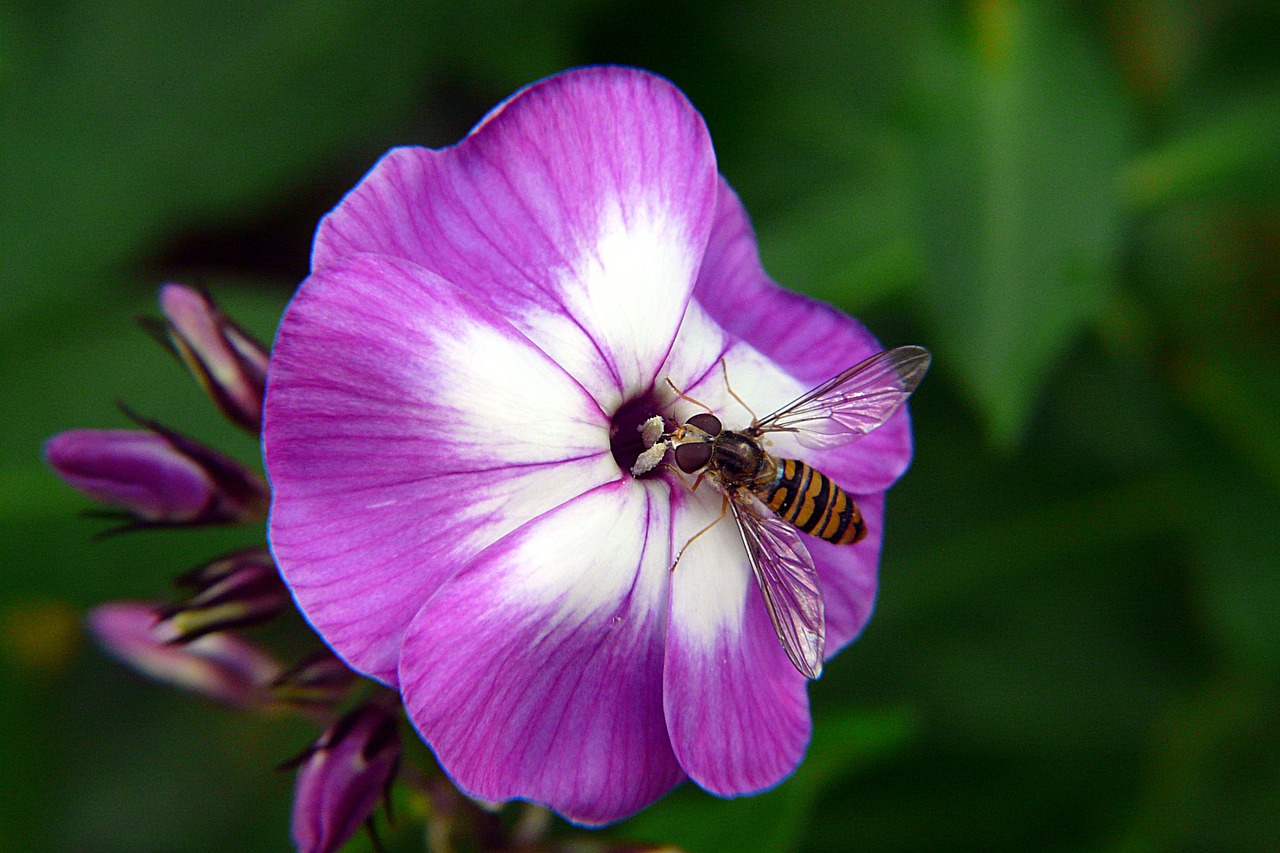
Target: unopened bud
point(158, 476)
point(220, 666)
point(320, 680)
point(239, 589)
point(342, 776)
point(229, 364)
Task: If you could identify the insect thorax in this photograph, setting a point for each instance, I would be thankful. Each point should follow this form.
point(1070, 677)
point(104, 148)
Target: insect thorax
point(741, 461)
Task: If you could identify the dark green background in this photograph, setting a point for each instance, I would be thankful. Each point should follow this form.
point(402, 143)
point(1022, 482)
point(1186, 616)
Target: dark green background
point(1076, 206)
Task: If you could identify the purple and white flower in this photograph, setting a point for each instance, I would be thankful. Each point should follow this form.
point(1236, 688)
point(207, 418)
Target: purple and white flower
point(450, 425)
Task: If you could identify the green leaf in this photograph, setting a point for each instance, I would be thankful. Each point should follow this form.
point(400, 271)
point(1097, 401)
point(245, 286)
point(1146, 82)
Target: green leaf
point(1234, 556)
point(774, 821)
point(1232, 151)
point(1023, 139)
point(1238, 397)
point(852, 249)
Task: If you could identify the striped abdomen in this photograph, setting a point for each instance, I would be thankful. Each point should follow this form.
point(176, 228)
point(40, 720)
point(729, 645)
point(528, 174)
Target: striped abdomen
point(806, 498)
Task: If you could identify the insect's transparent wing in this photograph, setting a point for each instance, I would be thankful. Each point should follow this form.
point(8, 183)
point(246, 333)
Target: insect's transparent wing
point(787, 579)
point(853, 403)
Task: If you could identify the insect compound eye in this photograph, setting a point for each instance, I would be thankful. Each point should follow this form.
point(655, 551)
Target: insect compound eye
point(706, 422)
point(693, 456)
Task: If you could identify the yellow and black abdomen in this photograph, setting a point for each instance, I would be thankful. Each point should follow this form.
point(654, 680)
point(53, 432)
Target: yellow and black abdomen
point(807, 499)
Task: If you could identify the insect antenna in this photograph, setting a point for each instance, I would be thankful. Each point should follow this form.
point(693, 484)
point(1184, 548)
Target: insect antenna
point(684, 396)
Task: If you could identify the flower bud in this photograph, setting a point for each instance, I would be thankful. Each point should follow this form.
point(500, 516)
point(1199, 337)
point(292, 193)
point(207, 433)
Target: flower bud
point(158, 476)
point(219, 666)
point(320, 680)
point(229, 364)
point(239, 589)
point(341, 777)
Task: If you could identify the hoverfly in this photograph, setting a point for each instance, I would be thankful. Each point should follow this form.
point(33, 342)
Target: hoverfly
point(772, 498)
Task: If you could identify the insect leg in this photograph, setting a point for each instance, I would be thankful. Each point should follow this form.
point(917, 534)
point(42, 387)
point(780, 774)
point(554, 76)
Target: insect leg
point(724, 509)
point(680, 475)
point(725, 368)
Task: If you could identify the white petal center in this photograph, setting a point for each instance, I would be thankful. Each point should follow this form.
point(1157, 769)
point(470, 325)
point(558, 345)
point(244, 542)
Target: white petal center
point(624, 295)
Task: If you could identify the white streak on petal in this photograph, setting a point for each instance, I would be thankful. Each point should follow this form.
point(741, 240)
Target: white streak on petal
point(694, 366)
point(754, 378)
point(700, 342)
point(627, 290)
point(509, 406)
point(711, 583)
point(408, 426)
point(553, 572)
point(537, 671)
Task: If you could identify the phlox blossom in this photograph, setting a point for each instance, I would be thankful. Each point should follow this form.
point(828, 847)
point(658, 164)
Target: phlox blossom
point(451, 419)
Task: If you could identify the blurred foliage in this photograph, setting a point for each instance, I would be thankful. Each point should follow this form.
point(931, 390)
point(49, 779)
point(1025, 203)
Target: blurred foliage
point(1076, 206)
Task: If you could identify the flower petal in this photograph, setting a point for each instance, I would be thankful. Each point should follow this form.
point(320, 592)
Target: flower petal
point(581, 206)
point(807, 339)
point(536, 673)
point(736, 708)
point(407, 427)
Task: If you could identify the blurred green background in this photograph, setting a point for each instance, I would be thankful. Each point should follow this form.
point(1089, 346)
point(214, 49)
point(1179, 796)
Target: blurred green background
point(1076, 206)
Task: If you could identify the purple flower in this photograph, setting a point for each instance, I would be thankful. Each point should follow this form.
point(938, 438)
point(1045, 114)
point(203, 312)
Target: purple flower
point(342, 776)
point(157, 476)
point(450, 424)
point(220, 666)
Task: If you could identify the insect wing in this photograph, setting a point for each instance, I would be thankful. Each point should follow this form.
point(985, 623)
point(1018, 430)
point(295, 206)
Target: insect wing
point(787, 579)
point(855, 402)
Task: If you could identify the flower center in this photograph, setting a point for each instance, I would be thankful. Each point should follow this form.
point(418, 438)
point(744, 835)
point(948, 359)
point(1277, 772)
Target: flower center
point(624, 431)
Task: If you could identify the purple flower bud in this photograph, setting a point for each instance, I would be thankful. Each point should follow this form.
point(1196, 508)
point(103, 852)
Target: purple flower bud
point(319, 680)
point(219, 666)
point(239, 589)
point(158, 476)
point(230, 365)
point(342, 776)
